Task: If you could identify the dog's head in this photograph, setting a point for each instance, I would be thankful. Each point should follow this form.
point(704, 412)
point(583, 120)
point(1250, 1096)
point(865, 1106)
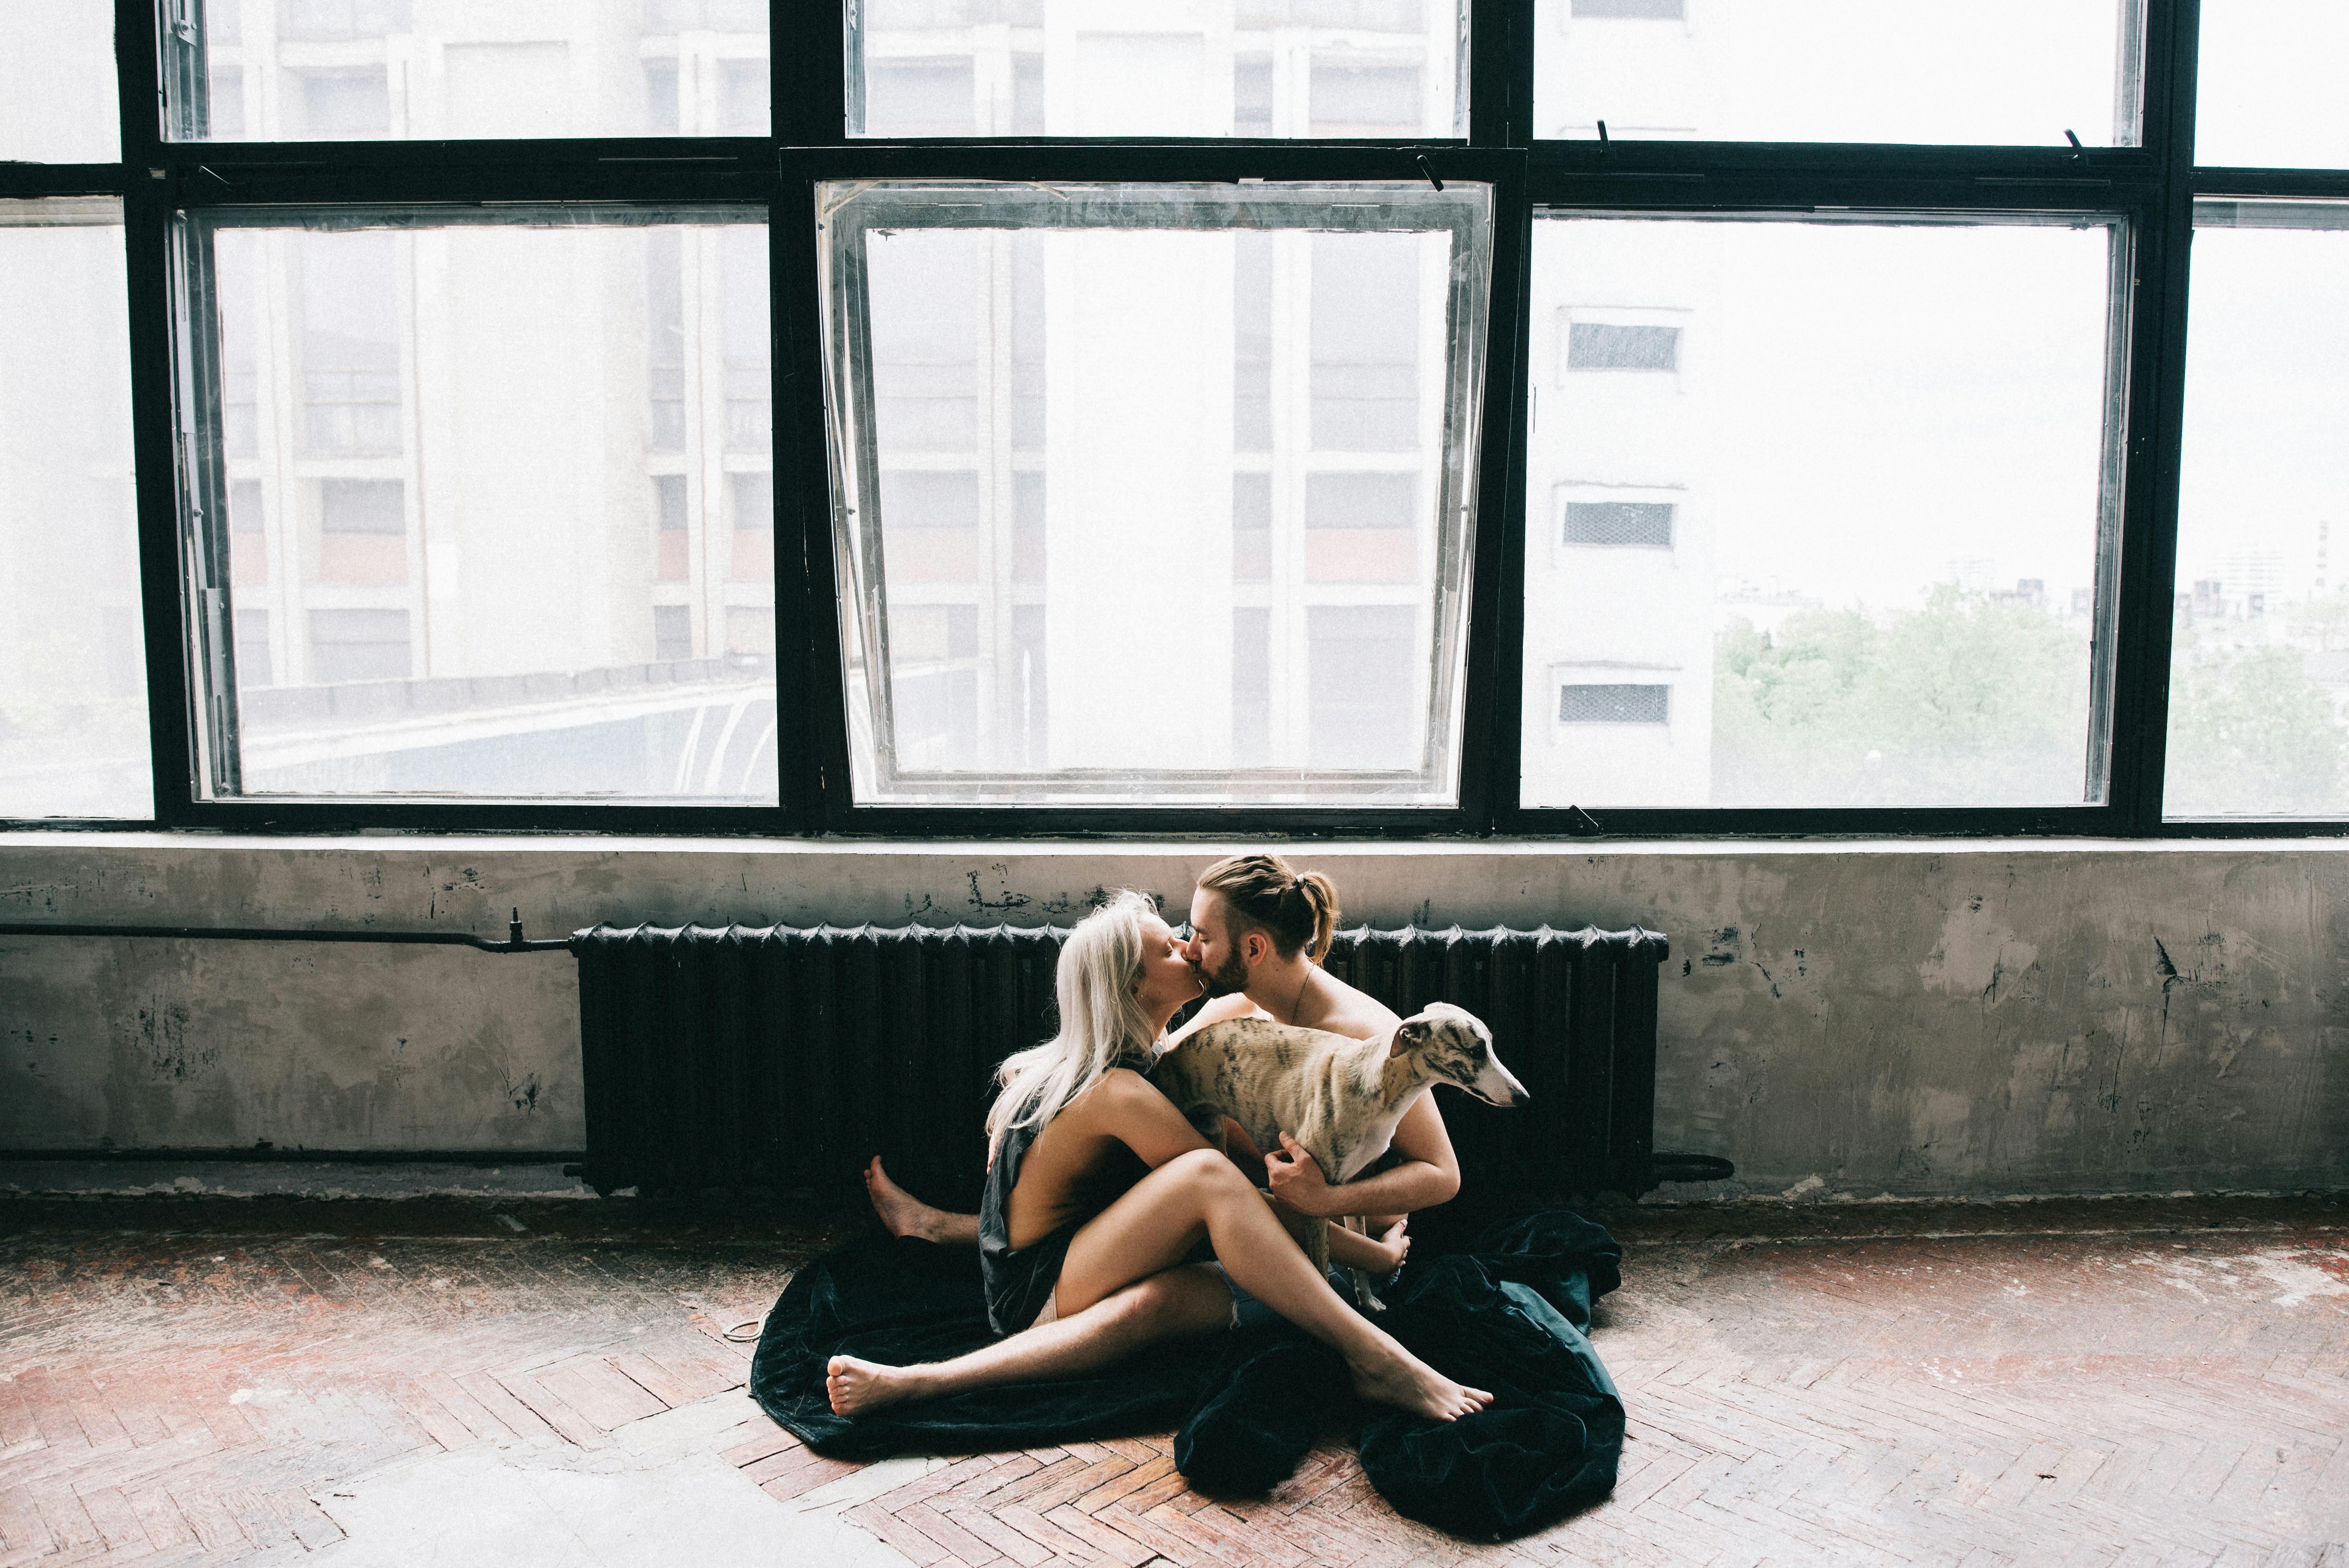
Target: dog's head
point(1458, 1048)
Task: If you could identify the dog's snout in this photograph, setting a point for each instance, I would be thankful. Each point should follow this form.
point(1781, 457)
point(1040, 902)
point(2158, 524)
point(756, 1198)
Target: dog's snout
point(1519, 1097)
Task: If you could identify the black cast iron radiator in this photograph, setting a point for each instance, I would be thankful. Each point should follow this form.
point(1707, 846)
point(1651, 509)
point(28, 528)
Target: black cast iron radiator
point(749, 1057)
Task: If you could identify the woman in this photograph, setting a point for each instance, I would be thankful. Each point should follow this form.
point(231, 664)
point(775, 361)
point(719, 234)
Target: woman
point(1082, 1268)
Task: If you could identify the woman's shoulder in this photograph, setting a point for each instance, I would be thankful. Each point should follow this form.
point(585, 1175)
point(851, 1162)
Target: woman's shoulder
point(1121, 1085)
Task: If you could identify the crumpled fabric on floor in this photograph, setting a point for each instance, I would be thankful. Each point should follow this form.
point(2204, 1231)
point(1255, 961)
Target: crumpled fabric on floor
point(1509, 1313)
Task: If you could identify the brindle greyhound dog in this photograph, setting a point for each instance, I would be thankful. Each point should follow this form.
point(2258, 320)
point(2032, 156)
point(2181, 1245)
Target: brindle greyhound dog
point(1339, 1096)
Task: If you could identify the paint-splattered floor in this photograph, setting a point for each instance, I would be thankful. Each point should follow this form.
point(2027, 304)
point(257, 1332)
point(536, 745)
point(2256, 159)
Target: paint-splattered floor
point(522, 1381)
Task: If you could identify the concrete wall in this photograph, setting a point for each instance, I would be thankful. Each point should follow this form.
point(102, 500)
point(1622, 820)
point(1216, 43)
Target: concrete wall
point(1863, 1018)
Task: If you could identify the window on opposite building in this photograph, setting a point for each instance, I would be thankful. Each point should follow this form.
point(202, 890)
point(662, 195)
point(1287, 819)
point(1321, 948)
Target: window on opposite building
point(1640, 522)
point(1614, 703)
point(672, 632)
point(1618, 345)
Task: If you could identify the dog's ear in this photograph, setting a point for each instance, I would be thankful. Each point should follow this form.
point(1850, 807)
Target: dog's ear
point(1412, 1034)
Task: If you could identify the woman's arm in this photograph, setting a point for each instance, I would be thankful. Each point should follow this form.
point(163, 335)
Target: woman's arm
point(1129, 1107)
point(1428, 1173)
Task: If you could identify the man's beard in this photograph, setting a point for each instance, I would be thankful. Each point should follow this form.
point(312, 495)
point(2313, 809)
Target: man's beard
point(1230, 978)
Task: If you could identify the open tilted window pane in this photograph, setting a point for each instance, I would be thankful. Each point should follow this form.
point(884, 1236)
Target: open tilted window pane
point(334, 70)
point(1988, 71)
point(1819, 510)
point(482, 508)
point(1390, 70)
point(57, 92)
point(1155, 493)
point(2268, 89)
point(73, 677)
point(2259, 684)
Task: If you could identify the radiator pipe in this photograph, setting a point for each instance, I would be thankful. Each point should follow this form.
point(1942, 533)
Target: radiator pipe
point(515, 942)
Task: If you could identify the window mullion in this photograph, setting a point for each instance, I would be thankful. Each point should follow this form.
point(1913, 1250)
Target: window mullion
point(2148, 562)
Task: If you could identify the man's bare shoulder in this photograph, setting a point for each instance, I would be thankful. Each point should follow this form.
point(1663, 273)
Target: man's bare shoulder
point(1355, 1013)
point(1218, 1010)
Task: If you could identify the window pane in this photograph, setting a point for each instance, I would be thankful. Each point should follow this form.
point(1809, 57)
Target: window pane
point(485, 538)
point(2260, 662)
point(2269, 83)
point(73, 674)
point(1148, 496)
point(1838, 545)
point(297, 71)
point(1990, 71)
point(57, 91)
point(1390, 69)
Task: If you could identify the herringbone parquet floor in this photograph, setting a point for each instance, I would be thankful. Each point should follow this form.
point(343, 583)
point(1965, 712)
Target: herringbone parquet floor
point(2116, 1382)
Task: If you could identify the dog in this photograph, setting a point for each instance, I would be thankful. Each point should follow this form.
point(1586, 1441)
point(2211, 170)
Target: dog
point(1339, 1098)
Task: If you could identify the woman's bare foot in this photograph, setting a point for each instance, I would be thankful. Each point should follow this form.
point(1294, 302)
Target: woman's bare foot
point(857, 1388)
point(1394, 1246)
point(902, 1213)
point(1410, 1384)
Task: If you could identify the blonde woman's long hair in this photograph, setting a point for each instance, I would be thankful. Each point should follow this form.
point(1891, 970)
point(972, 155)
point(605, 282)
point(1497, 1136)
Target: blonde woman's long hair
point(1100, 1023)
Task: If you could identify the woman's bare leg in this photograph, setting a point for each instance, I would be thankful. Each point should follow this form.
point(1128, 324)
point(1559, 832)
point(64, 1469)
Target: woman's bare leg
point(1201, 1194)
point(905, 1215)
point(1192, 1299)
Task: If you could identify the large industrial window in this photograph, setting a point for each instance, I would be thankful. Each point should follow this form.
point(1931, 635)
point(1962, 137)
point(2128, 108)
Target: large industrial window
point(2270, 84)
point(319, 70)
point(1894, 439)
point(73, 677)
point(481, 542)
point(1390, 70)
point(57, 85)
point(1072, 576)
point(2017, 71)
point(2258, 682)
point(954, 416)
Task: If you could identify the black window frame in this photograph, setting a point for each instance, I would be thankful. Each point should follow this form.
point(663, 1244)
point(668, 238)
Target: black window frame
point(2152, 185)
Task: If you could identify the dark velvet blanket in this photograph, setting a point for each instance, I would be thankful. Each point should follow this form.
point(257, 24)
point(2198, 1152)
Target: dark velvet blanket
point(1507, 1312)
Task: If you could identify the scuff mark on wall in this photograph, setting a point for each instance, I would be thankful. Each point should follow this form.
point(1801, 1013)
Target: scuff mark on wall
point(1004, 901)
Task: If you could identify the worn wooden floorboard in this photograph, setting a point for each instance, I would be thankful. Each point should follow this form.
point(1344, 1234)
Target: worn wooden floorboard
point(2086, 1382)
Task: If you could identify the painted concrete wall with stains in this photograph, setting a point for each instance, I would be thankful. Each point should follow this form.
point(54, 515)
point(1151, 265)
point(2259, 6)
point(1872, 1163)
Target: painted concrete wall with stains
point(1861, 1018)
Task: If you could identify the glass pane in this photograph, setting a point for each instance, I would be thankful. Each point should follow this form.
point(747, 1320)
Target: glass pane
point(73, 671)
point(57, 91)
point(1988, 71)
point(498, 514)
point(2260, 663)
point(1155, 493)
point(2269, 83)
point(1390, 70)
point(1816, 511)
point(301, 70)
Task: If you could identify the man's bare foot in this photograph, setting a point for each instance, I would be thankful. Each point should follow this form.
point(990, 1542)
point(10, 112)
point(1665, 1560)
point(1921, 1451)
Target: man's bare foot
point(1410, 1384)
point(902, 1213)
point(857, 1388)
